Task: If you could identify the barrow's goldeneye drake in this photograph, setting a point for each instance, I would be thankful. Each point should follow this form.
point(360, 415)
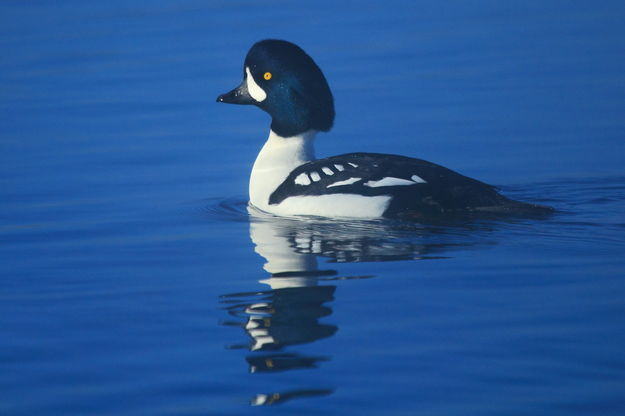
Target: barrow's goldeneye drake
point(287, 179)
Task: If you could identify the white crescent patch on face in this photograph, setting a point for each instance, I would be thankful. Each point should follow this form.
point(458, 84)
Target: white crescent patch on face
point(255, 91)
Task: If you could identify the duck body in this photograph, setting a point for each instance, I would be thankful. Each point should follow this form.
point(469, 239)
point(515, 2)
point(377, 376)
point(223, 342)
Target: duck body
point(288, 180)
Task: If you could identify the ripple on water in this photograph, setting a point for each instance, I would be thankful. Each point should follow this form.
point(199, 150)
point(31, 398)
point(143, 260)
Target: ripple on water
point(227, 209)
point(586, 213)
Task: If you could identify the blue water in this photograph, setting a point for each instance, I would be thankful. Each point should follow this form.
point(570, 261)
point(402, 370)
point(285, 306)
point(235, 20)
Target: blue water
point(134, 281)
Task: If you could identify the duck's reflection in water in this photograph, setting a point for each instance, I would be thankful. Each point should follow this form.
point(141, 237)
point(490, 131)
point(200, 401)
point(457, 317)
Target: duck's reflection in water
point(299, 295)
point(276, 398)
point(289, 312)
point(278, 318)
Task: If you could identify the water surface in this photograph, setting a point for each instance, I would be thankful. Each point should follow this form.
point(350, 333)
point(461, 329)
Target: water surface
point(135, 281)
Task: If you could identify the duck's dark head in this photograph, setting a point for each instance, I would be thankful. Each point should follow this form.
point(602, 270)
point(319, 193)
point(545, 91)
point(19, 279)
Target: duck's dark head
point(281, 79)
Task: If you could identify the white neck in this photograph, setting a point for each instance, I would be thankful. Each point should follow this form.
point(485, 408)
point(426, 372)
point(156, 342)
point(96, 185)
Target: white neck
point(278, 157)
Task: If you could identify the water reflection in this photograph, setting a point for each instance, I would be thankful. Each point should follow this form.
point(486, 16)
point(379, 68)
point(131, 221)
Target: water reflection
point(295, 307)
point(279, 318)
point(276, 398)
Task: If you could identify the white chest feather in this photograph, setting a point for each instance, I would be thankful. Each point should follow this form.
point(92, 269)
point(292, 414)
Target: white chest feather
point(278, 157)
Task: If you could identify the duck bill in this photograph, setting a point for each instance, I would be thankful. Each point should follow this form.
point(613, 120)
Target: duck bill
point(239, 95)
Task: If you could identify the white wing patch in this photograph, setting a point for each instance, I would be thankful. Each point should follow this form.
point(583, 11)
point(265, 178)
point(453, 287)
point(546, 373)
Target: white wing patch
point(352, 164)
point(389, 181)
point(340, 168)
point(345, 182)
point(302, 179)
point(417, 179)
point(255, 91)
point(327, 171)
point(315, 176)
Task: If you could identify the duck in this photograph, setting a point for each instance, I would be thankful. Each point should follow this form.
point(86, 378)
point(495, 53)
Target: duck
point(287, 179)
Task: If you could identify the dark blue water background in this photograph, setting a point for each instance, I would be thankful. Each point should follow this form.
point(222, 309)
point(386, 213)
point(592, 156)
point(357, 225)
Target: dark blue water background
point(134, 282)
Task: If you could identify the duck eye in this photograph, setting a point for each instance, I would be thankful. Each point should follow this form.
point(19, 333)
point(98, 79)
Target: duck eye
point(267, 76)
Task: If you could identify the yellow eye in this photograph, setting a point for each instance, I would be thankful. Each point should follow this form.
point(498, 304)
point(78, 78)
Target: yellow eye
point(267, 76)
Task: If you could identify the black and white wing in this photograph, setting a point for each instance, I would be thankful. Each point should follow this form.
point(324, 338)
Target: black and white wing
point(413, 184)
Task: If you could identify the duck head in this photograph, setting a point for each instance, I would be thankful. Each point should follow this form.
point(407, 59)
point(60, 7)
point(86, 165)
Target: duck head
point(281, 79)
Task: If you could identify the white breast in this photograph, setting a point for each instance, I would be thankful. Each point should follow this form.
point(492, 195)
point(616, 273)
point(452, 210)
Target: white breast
point(278, 157)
